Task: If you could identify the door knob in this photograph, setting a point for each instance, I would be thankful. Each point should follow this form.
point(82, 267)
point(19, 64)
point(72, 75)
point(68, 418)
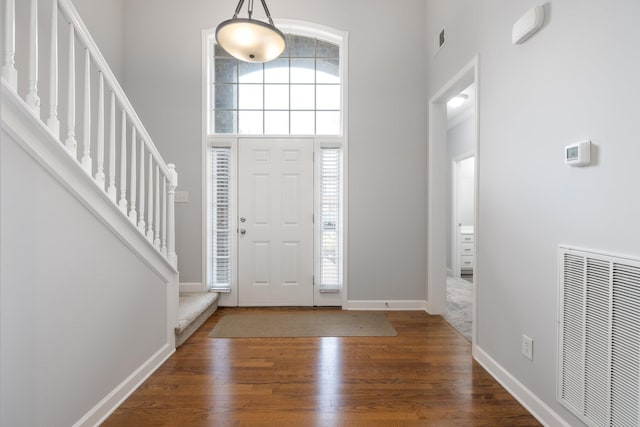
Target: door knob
point(243, 231)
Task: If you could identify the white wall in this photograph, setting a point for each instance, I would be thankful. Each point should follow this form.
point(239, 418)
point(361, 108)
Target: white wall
point(465, 192)
point(79, 310)
point(575, 79)
point(460, 141)
point(105, 21)
point(387, 126)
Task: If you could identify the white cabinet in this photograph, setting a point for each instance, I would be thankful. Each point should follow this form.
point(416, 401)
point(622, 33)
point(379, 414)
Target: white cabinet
point(466, 249)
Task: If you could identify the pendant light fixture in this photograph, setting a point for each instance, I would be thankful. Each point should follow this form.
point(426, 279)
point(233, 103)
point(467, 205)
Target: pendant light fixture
point(248, 39)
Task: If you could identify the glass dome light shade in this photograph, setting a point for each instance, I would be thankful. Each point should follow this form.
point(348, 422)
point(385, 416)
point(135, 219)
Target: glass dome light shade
point(250, 40)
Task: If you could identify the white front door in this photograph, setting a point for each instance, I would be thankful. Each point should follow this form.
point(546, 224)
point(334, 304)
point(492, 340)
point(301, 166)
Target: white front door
point(275, 224)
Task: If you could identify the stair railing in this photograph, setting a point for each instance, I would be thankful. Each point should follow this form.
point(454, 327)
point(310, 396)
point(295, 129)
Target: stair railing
point(149, 204)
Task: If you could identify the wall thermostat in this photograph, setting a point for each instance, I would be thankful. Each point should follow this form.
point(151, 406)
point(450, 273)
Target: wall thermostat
point(578, 154)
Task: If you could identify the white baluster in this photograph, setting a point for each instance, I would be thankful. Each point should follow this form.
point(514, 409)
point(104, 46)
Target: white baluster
point(71, 143)
point(163, 246)
point(52, 122)
point(141, 223)
point(9, 72)
point(171, 219)
point(150, 201)
point(100, 178)
point(132, 207)
point(123, 165)
point(33, 100)
point(111, 190)
point(156, 241)
point(86, 143)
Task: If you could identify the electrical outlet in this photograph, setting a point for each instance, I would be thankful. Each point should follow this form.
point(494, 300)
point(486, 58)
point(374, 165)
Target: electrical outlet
point(182, 197)
point(527, 347)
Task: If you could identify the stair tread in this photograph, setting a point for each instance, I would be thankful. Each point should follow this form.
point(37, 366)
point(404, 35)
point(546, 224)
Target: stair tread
point(192, 305)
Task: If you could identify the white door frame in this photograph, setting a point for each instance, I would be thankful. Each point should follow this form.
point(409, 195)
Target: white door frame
point(436, 197)
point(455, 228)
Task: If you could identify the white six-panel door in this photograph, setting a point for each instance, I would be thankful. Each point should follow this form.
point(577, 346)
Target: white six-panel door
point(275, 209)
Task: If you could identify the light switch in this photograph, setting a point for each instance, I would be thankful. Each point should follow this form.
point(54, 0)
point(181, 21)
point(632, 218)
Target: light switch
point(182, 197)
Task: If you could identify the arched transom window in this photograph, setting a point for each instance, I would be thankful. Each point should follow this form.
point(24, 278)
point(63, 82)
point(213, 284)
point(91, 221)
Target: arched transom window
point(299, 93)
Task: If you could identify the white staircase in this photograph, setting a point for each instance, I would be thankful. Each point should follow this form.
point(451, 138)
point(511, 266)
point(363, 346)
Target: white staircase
point(86, 142)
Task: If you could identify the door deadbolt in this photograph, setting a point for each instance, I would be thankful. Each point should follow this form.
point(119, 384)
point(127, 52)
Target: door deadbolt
point(243, 219)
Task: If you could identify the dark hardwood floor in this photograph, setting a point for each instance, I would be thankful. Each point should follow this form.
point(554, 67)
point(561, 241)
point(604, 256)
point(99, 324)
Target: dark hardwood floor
point(424, 376)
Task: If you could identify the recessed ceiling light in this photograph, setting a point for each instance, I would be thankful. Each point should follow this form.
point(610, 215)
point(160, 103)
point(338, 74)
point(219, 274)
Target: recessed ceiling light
point(457, 100)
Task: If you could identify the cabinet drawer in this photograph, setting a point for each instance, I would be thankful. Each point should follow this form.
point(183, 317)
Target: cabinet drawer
point(466, 249)
point(466, 262)
point(466, 238)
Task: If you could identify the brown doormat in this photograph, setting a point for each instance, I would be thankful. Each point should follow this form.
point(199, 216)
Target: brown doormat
point(303, 324)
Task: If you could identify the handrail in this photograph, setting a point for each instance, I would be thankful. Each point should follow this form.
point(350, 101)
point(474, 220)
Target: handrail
point(152, 212)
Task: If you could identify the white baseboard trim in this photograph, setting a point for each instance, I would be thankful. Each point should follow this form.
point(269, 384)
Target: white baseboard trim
point(99, 413)
point(522, 394)
point(187, 287)
point(449, 272)
point(428, 307)
point(389, 305)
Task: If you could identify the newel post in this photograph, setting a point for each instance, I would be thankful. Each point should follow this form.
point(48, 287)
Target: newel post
point(171, 218)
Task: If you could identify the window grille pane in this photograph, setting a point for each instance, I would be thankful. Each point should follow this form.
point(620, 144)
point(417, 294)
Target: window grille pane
point(327, 50)
point(327, 71)
point(247, 98)
point(328, 97)
point(276, 97)
point(330, 218)
point(301, 47)
point(219, 221)
point(250, 72)
point(250, 97)
point(328, 123)
point(277, 71)
point(224, 121)
point(225, 70)
point(219, 51)
point(250, 122)
point(276, 122)
point(303, 97)
point(303, 70)
point(225, 97)
point(302, 123)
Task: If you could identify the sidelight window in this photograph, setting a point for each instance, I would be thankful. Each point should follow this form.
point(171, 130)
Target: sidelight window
point(330, 218)
point(219, 219)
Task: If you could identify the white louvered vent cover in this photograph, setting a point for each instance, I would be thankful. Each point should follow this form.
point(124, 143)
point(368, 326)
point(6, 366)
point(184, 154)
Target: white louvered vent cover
point(599, 339)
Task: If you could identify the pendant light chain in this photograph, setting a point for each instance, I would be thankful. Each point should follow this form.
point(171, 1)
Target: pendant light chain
point(250, 10)
point(238, 8)
point(266, 9)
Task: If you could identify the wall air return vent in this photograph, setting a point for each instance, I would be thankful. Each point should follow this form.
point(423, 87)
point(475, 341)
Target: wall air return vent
point(599, 337)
